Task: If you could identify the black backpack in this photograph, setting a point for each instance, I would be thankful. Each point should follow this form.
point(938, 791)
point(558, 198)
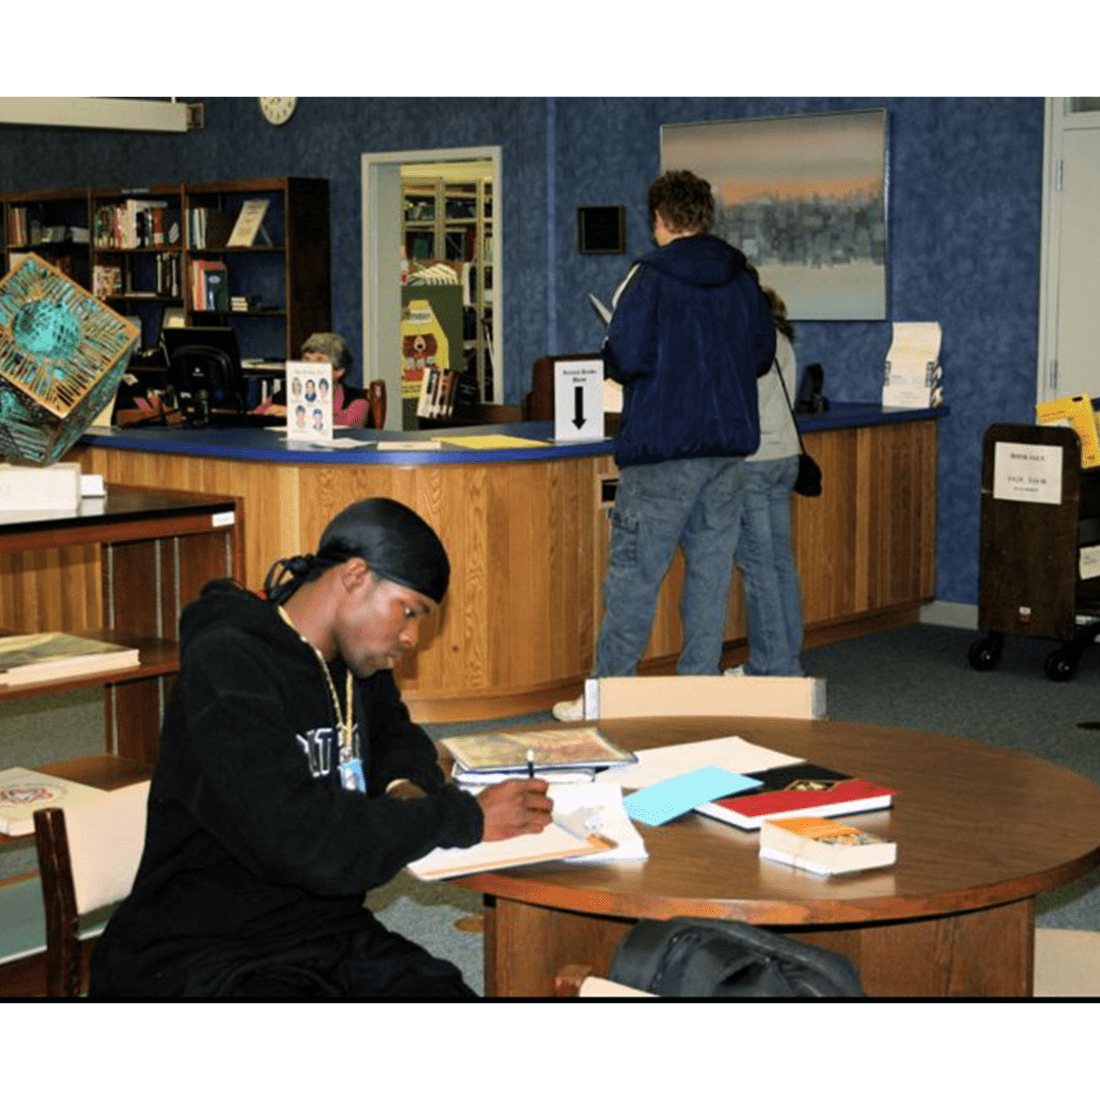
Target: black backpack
point(687, 957)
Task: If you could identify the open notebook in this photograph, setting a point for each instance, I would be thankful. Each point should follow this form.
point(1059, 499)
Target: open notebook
point(590, 825)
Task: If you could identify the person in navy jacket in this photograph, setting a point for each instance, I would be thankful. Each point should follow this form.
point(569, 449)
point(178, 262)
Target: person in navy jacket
point(690, 333)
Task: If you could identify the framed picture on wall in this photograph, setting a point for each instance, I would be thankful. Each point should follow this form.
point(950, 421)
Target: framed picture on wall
point(804, 197)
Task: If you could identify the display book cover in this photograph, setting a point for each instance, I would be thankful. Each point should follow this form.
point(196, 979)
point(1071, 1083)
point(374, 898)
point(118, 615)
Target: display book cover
point(26, 658)
point(582, 747)
point(23, 791)
point(796, 789)
point(823, 846)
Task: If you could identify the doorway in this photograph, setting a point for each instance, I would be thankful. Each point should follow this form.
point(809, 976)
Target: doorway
point(1069, 306)
point(389, 231)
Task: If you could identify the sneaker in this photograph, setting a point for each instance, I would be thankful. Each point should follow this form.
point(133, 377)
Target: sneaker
point(734, 670)
point(572, 710)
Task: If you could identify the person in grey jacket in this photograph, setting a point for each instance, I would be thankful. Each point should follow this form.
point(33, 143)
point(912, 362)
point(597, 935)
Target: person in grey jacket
point(765, 546)
point(690, 334)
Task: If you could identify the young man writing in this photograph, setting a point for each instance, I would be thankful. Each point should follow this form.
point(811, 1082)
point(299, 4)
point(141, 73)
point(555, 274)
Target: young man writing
point(291, 780)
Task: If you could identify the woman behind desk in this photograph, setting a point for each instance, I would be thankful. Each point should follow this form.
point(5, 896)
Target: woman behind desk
point(349, 405)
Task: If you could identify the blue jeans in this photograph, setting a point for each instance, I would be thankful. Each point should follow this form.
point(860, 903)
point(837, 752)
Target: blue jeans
point(694, 503)
point(765, 555)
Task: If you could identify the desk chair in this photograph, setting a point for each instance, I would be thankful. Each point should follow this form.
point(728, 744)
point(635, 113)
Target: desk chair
point(575, 980)
point(88, 856)
point(705, 697)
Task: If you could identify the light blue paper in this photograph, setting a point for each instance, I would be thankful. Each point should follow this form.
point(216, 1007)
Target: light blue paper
point(661, 802)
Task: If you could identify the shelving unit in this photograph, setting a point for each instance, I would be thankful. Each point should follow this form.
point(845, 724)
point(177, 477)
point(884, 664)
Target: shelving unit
point(452, 220)
point(1039, 575)
point(120, 568)
point(123, 570)
point(145, 240)
point(55, 224)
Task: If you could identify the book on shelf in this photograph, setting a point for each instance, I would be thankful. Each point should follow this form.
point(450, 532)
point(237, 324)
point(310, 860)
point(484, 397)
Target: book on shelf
point(1074, 412)
point(583, 747)
point(29, 658)
point(801, 788)
point(823, 846)
point(210, 227)
point(249, 222)
point(22, 791)
point(589, 825)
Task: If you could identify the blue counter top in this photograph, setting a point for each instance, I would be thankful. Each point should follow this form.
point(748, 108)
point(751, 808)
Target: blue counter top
point(359, 446)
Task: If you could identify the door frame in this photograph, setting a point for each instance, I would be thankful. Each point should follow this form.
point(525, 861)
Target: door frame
point(382, 236)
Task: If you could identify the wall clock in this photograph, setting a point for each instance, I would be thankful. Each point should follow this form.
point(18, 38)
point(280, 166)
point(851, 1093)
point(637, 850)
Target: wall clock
point(277, 109)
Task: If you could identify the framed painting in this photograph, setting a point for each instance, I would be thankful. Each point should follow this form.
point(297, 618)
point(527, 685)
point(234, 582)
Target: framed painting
point(804, 197)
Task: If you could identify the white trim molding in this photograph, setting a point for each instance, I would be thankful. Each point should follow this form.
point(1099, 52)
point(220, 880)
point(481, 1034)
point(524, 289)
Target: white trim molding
point(165, 115)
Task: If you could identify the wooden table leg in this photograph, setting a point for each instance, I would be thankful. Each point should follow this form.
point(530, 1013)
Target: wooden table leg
point(526, 944)
point(982, 953)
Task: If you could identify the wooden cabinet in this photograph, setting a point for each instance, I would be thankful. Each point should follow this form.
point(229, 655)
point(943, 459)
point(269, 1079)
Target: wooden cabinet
point(122, 569)
point(143, 250)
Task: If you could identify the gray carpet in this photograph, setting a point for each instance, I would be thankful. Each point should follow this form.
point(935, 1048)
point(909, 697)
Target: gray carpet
point(916, 676)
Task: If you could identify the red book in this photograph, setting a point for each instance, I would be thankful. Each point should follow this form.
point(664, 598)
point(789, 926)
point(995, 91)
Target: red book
point(798, 789)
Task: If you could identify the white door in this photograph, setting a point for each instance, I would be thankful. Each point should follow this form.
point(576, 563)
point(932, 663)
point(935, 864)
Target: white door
point(1069, 346)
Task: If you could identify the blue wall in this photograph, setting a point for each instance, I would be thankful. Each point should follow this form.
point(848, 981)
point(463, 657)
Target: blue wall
point(964, 212)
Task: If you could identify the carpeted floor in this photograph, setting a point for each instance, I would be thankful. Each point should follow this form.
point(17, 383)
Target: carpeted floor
point(916, 676)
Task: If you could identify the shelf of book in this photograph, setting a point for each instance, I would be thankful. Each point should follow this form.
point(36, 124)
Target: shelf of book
point(121, 571)
point(135, 248)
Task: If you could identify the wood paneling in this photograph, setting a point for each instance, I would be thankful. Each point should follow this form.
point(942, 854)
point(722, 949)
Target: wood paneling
point(528, 547)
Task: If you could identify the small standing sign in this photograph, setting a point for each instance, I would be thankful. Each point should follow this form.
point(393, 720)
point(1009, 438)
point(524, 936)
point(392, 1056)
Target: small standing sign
point(309, 402)
point(578, 399)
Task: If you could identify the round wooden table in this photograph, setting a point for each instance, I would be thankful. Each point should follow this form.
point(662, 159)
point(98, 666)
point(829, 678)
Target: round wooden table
point(980, 832)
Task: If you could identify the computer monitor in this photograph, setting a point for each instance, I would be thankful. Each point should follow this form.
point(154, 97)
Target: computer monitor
point(204, 370)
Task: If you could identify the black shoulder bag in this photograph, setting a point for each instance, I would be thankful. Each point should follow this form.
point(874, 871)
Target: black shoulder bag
point(808, 482)
point(685, 957)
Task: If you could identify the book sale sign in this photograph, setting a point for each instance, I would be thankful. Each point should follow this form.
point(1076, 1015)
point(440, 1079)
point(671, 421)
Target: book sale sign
point(1027, 472)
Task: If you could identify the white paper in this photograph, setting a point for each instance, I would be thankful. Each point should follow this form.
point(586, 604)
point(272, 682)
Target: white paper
point(604, 801)
point(733, 753)
point(1030, 472)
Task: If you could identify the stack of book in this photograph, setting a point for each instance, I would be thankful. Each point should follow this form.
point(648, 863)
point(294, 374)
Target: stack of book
point(27, 658)
point(489, 757)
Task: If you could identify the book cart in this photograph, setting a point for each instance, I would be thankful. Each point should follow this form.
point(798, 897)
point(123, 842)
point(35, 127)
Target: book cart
point(1040, 545)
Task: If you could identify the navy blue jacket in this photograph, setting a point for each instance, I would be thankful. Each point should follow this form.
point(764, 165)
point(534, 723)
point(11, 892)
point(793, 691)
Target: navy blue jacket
point(690, 334)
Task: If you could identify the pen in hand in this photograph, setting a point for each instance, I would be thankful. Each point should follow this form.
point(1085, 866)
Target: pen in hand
point(530, 763)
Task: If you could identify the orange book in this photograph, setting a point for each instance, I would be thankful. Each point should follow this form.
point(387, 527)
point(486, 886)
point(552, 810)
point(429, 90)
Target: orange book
point(823, 846)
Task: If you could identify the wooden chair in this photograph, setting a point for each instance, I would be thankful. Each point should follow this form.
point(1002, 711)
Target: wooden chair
point(575, 980)
point(705, 697)
point(88, 857)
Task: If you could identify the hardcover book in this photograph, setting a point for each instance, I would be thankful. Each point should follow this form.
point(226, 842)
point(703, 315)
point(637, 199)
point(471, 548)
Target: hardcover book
point(26, 658)
point(823, 847)
point(23, 791)
point(585, 747)
point(798, 789)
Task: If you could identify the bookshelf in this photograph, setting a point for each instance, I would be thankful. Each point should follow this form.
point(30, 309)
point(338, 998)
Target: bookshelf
point(138, 248)
point(121, 569)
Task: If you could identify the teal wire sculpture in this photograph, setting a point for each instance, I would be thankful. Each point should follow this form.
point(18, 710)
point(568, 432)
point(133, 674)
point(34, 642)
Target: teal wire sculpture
point(62, 355)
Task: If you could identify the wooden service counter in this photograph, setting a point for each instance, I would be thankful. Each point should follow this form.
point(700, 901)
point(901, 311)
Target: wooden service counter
point(526, 530)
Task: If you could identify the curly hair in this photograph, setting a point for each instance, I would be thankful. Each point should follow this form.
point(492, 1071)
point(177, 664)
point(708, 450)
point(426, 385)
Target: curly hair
point(684, 201)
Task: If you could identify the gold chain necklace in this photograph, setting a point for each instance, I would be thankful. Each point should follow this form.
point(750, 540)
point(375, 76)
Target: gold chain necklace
point(343, 721)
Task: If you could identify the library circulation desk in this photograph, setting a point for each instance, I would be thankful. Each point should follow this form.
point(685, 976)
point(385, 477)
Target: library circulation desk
point(526, 530)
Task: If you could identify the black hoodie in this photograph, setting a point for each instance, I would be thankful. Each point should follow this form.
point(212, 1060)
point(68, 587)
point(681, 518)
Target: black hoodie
point(252, 848)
